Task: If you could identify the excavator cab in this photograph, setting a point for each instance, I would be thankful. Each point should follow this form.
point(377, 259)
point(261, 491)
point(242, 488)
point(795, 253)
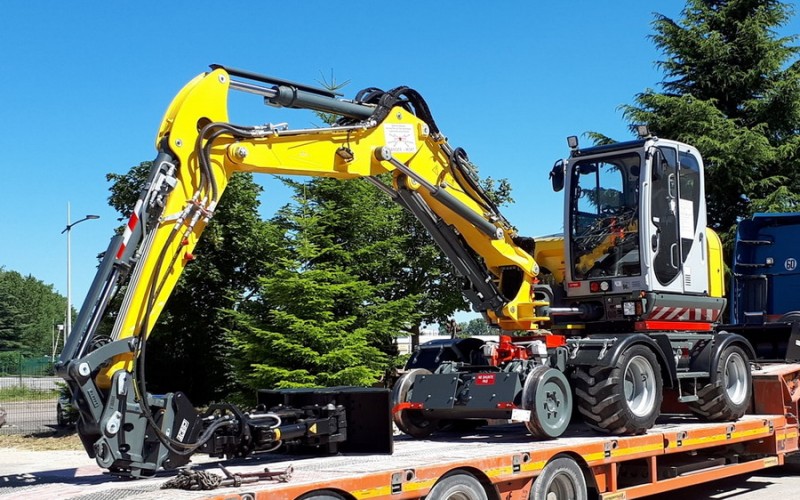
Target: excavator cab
point(636, 247)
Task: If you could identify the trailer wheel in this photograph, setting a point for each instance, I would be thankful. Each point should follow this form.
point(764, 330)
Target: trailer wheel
point(621, 399)
point(728, 394)
point(411, 422)
point(459, 486)
point(561, 479)
point(322, 495)
point(548, 396)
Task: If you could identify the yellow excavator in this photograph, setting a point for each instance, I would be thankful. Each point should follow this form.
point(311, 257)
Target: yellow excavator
point(615, 321)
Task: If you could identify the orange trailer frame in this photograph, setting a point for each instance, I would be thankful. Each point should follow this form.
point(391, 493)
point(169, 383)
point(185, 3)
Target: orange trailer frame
point(680, 451)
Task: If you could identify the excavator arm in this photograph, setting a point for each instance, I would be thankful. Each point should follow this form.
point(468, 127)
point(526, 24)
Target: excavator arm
point(199, 149)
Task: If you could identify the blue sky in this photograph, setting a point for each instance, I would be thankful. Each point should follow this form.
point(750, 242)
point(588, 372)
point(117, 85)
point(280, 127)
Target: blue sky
point(85, 85)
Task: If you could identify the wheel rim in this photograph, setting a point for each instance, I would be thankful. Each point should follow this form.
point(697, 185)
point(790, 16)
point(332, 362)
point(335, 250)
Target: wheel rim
point(736, 378)
point(459, 495)
point(547, 395)
point(561, 488)
point(640, 389)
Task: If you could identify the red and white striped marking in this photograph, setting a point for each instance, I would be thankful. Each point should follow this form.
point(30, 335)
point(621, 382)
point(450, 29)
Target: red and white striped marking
point(126, 235)
point(661, 313)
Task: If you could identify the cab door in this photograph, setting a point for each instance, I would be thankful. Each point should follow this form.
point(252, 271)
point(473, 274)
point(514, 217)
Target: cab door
point(663, 223)
point(677, 222)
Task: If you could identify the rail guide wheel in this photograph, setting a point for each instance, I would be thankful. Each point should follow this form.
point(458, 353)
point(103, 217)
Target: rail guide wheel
point(411, 422)
point(547, 395)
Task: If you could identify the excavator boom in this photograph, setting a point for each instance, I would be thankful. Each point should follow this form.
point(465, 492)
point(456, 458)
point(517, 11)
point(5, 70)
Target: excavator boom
point(199, 149)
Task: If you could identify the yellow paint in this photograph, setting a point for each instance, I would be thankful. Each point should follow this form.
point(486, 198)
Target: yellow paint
point(623, 452)
point(719, 438)
point(373, 492)
point(310, 153)
point(533, 466)
point(499, 471)
point(383, 491)
point(716, 265)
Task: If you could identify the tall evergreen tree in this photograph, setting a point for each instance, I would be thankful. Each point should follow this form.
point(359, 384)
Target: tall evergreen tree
point(313, 322)
point(386, 246)
point(732, 89)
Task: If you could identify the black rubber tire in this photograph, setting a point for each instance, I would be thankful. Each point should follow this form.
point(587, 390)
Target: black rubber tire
point(563, 479)
point(411, 422)
point(459, 486)
point(601, 398)
point(322, 495)
point(715, 400)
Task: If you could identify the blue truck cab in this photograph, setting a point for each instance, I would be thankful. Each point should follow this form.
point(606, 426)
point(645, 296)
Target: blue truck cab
point(765, 272)
point(765, 284)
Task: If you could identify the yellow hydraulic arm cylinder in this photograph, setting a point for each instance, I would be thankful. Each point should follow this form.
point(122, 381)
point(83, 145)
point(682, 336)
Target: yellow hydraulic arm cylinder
point(200, 149)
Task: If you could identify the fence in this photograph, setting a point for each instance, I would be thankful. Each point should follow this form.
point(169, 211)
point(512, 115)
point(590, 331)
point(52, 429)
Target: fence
point(28, 395)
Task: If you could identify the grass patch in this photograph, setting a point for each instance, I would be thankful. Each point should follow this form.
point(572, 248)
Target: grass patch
point(22, 393)
point(49, 441)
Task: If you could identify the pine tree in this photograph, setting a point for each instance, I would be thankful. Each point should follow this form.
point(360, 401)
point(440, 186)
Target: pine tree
point(732, 89)
point(386, 246)
point(312, 322)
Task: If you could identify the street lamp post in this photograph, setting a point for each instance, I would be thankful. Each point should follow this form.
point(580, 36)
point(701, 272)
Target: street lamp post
point(68, 230)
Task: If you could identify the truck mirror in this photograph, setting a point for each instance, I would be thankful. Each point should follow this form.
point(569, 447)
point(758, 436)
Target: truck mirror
point(557, 176)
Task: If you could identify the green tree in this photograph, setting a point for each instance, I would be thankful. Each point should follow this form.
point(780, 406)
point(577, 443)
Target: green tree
point(386, 246)
point(188, 348)
point(312, 322)
point(732, 89)
point(11, 318)
point(29, 310)
point(474, 327)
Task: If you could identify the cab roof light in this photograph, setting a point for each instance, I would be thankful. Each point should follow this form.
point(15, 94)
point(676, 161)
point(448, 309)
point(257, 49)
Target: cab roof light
point(643, 131)
point(572, 142)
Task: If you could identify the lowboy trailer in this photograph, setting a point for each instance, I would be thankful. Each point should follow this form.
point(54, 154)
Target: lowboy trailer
point(501, 462)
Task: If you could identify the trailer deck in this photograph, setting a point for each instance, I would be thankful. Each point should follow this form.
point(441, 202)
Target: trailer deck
point(679, 451)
